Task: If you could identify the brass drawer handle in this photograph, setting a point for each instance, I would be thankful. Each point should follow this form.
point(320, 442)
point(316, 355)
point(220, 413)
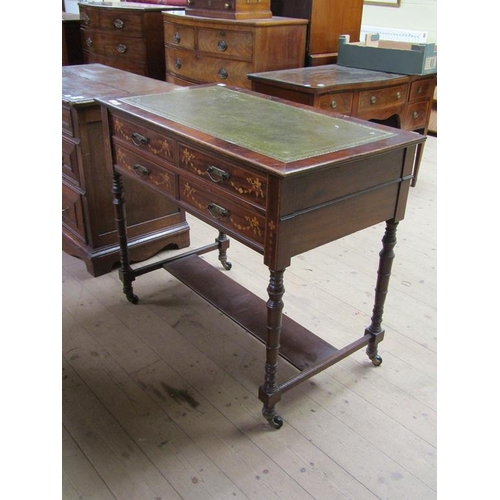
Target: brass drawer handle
point(140, 170)
point(138, 139)
point(217, 212)
point(333, 104)
point(121, 48)
point(88, 42)
point(398, 95)
point(419, 90)
point(177, 38)
point(227, 6)
point(86, 19)
point(118, 24)
point(222, 45)
point(178, 63)
point(190, 2)
point(217, 174)
point(373, 99)
point(415, 115)
point(223, 74)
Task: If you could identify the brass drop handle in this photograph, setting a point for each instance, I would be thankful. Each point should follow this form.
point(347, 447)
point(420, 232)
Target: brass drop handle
point(333, 104)
point(415, 115)
point(177, 37)
point(222, 45)
point(373, 99)
point(88, 42)
point(398, 95)
point(121, 48)
point(217, 174)
point(118, 24)
point(217, 212)
point(140, 170)
point(419, 90)
point(86, 19)
point(138, 139)
point(178, 63)
point(223, 74)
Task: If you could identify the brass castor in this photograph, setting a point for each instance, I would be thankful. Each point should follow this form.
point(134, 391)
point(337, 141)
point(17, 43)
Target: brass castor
point(276, 422)
point(133, 298)
point(227, 265)
point(377, 360)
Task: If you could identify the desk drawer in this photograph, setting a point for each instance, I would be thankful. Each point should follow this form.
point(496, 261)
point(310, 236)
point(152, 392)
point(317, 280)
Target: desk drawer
point(181, 36)
point(236, 180)
point(416, 115)
point(148, 172)
point(338, 103)
point(115, 46)
point(422, 89)
point(243, 220)
point(230, 43)
point(381, 99)
point(204, 68)
point(72, 211)
point(142, 139)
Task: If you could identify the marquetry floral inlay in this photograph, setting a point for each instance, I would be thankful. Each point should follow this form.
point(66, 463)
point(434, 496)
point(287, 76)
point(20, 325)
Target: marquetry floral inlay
point(164, 148)
point(187, 158)
point(253, 225)
point(189, 192)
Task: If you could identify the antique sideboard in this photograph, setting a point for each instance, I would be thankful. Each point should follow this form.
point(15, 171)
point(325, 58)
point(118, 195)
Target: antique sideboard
point(279, 177)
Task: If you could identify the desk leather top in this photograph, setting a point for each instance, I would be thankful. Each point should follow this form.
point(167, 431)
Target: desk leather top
point(275, 129)
point(327, 77)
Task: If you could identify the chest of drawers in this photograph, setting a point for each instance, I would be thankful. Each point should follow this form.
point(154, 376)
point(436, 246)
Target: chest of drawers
point(203, 50)
point(124, 35)
point(88, 221)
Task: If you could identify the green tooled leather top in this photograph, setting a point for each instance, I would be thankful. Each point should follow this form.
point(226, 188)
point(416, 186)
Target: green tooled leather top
point(277, 130)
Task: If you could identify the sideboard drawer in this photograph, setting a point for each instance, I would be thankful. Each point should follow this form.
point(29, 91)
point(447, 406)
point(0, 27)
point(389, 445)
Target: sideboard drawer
point(192, 66)
point(230, 43)
point(182, 36)
point(72, 211)
point(142, 139)
point(242, 220)
point(148, 172)
point(338, 103)
point(422, 89)
point(121, 22)
point(416, 115)
point(236, 180)
point(379, 99)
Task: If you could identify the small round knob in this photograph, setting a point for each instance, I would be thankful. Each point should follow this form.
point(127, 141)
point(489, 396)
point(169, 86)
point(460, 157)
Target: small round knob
point(121, 48)
point(415, 115)
point(223, 74)
point(118, 24)
point(373, 99)
point(88, 42)
point(333, 104)
point(398, 95)
point(222, 45)
point(190, 2)
point(227, 6)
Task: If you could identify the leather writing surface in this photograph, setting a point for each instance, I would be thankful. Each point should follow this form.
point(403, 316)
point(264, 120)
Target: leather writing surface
point(274, 129)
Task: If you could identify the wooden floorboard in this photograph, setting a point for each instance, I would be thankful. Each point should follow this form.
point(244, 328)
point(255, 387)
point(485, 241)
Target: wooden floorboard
point(160, 399)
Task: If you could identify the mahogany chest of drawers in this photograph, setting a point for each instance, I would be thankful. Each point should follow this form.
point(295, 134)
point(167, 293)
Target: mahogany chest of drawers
point(124, 35)
point(88, 220)
point(203, 50)
point(229, 9)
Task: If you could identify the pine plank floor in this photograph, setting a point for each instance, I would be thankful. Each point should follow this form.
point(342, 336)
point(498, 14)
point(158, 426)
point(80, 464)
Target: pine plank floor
point(159, 400)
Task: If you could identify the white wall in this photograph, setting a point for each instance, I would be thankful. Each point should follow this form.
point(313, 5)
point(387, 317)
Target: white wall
point(418, 15)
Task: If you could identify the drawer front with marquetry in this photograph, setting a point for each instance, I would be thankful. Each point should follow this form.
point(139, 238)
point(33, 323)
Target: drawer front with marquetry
point(148, 172)
point(422, 89)
point(337, 102)
point(229, 216)
point(416, 115)
point(142, 138)
point(179, 35)
point(115, 46)
point(70, 160)
point(379, 99)
point(123, 23)
point(234, 179)
point(204, 68)
point(230, 43)
point(72, 211)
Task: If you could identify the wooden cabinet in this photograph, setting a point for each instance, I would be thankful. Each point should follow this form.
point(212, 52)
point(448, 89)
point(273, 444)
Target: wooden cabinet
point(72, 52)
point(124, 35)
point(88, 220)
point(328, 19)
point(204, 50)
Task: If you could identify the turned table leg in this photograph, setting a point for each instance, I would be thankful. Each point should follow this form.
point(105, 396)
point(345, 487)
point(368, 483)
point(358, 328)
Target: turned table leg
point(223, 242)
point(269, 392)
point(383, 275)
point(126, 271)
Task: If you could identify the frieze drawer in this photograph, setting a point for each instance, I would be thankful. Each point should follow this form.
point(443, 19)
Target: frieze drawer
point(240, 221)
point(179, 35)
point(143, 139)
point(416, 115)
point(338, 103)
point(236, 180)
point(147, 171)
point(422, 89)
point(382, 98)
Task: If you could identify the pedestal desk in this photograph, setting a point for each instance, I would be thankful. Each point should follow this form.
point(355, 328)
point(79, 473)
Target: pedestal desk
point(403, 101)
point(280, 178)
point(88, 225)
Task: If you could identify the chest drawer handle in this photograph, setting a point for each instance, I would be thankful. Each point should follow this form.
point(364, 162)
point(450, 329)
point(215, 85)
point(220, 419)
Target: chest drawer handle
point(138, 139)
point(333, 104)
point(415, 115)
point(222, 45)
point(178, 63)
point(223, 74)
point(373, 99)
point(216, 174)
point(118, 24)
point(121, 48)
point(88, 42)
point(217, 212)
point(227, 6)
point(177, 38)
point(398, 95)
point(419, 90)
point(140, 170)
point(190, 2)
point(86, 19)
